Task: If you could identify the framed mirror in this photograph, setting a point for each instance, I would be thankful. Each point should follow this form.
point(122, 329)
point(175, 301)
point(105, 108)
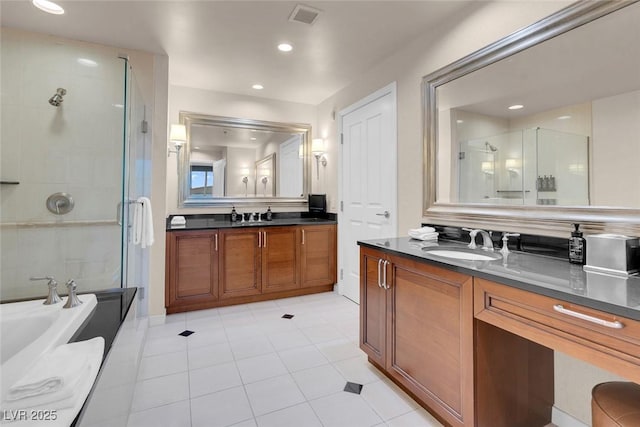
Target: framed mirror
point(230, 161)
point(541, 128)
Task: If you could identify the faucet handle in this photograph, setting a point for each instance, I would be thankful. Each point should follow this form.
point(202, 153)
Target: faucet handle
point(505, 242)
point(72, 298)
point(52, 296)
point(472, 234)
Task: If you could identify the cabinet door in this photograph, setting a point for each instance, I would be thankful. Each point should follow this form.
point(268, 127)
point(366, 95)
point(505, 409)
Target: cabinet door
point(318, 253)
point(373, 306)
point(430, 336)
point(240, 263)
point(280, 259)
point(192, 267)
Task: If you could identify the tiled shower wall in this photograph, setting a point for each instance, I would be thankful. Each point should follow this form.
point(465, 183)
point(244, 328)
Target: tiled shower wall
point(75, 148)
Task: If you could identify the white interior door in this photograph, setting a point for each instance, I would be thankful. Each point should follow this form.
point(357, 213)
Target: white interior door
point(368, 180)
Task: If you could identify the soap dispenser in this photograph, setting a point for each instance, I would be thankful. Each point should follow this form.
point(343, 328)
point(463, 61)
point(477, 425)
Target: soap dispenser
point(577, 246)
point(269, 214)
point(234, 214)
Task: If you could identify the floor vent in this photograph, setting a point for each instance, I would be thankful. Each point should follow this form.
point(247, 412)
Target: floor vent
point(304, 14)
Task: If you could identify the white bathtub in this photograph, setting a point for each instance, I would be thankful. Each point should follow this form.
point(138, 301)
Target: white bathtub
point(29, 329)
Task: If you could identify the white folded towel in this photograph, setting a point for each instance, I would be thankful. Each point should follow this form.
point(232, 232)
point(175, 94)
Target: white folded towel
point(424, 236)
point(143, 223)
point(422, 230)
point(52, 380)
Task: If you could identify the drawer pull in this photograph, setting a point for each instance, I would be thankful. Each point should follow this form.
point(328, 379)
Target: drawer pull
point(615, 324)
point(384, 275)
point(379, 273)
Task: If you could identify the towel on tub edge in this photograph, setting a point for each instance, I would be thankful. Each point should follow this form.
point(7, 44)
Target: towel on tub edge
point(52, 379)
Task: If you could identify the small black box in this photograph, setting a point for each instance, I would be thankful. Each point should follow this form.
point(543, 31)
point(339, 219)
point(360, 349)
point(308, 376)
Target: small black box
point(318, 203)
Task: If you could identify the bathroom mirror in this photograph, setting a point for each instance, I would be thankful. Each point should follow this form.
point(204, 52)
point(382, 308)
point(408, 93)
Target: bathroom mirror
point(540, 128)
point(230, 161)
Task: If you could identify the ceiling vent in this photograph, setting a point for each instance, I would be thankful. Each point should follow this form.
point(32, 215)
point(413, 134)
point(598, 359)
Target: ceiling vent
point(304, 14)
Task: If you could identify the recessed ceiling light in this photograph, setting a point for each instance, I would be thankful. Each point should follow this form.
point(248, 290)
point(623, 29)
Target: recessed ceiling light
point(564, 117)
point(196, 148)
point(516, 107)
point(257, 86)
point(87, 62)
point(459, 121)
point(48, 6)
point(253, 138)
point(118, 105)
point(285, 47)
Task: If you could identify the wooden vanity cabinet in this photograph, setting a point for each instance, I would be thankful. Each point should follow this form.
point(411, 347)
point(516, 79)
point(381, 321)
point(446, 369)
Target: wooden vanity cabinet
point(317, 255)
point(240, 262)
point(417, 326)
point(192, 274)
point(280, 254)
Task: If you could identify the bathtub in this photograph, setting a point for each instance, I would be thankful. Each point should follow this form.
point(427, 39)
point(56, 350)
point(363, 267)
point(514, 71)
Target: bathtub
point(29, 329)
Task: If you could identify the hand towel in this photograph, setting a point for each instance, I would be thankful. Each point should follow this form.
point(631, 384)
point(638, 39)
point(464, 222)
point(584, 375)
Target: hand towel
point(143, 223)
point(69, 362)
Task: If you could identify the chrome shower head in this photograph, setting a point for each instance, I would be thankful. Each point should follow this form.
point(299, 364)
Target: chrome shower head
point(493, 148)
point(57, 99)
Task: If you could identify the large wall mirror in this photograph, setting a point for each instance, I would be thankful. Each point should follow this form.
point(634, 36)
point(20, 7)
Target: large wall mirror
point(542, 127)
point(230, 161)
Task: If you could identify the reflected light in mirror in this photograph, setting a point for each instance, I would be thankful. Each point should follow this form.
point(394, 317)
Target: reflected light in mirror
point(512, 165)
point(178, 134)
point(487, 167)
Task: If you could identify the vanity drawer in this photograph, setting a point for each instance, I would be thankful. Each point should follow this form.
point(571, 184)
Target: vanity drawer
point(606, 340)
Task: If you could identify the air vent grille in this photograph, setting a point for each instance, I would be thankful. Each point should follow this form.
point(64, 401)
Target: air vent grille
point(304, 14)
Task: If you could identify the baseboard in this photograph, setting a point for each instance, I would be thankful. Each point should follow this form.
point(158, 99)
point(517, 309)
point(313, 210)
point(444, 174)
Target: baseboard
point(562, 419)
point(157, 320)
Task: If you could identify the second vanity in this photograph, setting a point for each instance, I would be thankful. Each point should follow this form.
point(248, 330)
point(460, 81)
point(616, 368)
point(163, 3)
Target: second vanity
point(213, 262)
point(473, 340)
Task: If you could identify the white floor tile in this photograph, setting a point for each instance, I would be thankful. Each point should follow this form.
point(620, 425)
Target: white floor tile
point(210, 355)
point(252, 347)
point(161, 345)
point(204, 323)
point(261, 367)
point(243, 332)
point(387, 400)
point(419, 417)
point(221, 409)
point(273, 394)
point(162, 364)
point(160, 391)
point(340, 349)
point(247, 423)
point(206, 337)
point(320, 381)
point(358, 370)
point(213, 378)
point(175, 318)
point(201, 314)
point(283, 340)
point(172, 415)
point(297, 359)
point(322, 333)
point(166, 330)
point(344, 410)
point(295, 416)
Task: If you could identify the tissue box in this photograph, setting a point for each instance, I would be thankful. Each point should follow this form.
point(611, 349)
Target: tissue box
point(613, 254)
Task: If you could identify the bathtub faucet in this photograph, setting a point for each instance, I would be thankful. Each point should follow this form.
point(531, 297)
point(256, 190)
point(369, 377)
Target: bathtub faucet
point(72, 299)
point(53, 297)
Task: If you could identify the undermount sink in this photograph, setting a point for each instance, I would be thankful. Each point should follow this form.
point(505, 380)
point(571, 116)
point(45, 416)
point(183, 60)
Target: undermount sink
point(466, 255)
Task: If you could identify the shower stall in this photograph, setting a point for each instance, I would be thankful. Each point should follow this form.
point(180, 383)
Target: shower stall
point(72, 166)
point(526, 167)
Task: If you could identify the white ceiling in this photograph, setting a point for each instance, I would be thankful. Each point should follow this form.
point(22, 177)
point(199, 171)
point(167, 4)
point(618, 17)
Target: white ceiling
point(230, 45)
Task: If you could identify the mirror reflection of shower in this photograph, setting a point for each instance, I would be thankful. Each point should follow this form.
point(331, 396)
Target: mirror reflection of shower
point(57, 99)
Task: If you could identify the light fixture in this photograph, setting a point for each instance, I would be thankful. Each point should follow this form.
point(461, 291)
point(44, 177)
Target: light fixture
point(317, 149)
point(87, 62)
point(253, 138)
point(459, 121)
point(257, 86)
point(516, 107)
point(487, 168)
point(178, 137)
point(245, 181)
point(512, 165)
point(48, 6)
point(564, 117)
point(285, 47)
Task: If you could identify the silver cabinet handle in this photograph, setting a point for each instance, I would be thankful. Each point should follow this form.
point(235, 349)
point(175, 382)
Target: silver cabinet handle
point(303, 236)
point(264, 239)
point(119, 213)
point(216, 240)
point(384, 274)
point(379, 273)
point(259, 239)
point(615, 324)
point(386, 214)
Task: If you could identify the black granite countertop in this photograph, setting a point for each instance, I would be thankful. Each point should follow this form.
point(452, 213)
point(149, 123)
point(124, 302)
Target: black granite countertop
point(214, 221)
point(543, 275)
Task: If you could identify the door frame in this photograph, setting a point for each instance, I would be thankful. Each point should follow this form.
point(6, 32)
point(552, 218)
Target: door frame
point(390, 89)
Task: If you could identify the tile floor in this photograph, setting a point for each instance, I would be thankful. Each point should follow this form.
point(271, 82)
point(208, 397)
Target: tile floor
point(247, 366)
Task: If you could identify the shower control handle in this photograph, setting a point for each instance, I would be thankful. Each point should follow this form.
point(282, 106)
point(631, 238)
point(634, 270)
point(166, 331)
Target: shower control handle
point(385, 214)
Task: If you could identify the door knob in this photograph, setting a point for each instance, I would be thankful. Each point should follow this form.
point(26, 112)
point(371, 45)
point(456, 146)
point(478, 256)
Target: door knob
point(386, 214)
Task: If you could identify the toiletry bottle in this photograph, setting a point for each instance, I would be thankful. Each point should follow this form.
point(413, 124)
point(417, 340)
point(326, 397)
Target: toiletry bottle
point(552, 183)
point(234, 214)
point(577, 246)
point(545, 183)
point(269, 214)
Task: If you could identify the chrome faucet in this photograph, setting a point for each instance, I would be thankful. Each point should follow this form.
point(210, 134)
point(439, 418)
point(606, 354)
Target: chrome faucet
point(72, 298)
point(53, 297)
point(487, 243)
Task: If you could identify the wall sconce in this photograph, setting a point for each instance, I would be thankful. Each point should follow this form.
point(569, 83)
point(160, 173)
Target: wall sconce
point(245, 180)
point(317, 149)
point(487, 168)
point(264, 181)
point(512, 165)
point(178, 137)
